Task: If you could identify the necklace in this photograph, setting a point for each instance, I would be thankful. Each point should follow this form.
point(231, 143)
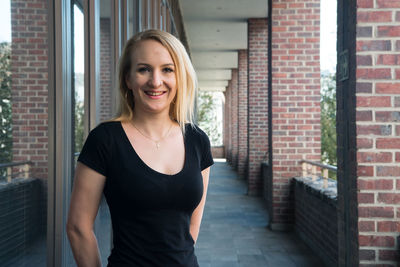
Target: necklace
point(157, 142)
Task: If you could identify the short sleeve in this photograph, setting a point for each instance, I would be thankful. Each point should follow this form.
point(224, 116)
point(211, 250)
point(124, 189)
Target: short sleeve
point(95, 152)
point(206, 159)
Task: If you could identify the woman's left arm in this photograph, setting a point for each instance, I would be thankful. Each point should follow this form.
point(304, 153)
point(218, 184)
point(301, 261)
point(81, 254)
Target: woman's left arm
point(197, 214)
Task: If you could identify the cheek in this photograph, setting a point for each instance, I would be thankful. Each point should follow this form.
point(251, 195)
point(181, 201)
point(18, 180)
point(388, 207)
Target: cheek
point(138, 83)
point(172, 83)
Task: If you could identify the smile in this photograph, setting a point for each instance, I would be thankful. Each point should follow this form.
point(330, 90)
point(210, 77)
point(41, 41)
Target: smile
point(155, 94)
point(152, 93)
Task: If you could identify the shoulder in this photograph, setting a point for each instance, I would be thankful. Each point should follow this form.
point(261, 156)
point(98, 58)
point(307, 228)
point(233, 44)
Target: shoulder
point(195, 133)
point(202, 146)
point(105, 132)
point(106, 128)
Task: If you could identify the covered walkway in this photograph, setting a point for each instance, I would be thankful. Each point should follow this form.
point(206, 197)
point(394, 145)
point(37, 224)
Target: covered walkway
point(234, 229)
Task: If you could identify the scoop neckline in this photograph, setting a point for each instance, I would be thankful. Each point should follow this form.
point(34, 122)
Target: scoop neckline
point(145, 164)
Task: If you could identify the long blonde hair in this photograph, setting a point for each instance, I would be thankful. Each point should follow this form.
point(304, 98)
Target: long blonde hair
point(181, 109)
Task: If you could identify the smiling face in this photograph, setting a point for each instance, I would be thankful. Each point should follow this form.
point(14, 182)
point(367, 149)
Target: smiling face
point(152, 77)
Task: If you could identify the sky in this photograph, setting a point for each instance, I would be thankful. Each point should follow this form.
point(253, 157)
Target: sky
point(79, 41)
point(328, 33)
point(5, 20)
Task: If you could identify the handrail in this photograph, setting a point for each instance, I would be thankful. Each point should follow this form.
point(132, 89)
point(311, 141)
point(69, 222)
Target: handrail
point(13, 164)
point(324, 166)
point(307, 165)
point(10, 165)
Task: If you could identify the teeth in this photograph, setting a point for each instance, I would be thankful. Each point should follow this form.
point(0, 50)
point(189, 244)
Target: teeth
point(154, 93)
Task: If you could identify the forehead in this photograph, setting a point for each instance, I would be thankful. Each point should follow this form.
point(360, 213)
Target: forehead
point(151, 51)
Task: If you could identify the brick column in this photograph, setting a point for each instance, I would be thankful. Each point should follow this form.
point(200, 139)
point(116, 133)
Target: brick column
point(234, 122)
point(378, 132)
point(105, 70)
point(29, 67)
point(258, 101)
point(225, 126)
point(295, 97)
point(228, 121)
point(242, 113)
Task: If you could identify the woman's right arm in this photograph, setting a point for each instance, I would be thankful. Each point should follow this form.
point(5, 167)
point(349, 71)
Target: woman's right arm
point(85, 200)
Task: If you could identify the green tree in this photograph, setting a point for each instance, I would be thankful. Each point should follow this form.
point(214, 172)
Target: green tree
point(207, 117)
point(5, 104)
point(328, 119)
point(79, 113)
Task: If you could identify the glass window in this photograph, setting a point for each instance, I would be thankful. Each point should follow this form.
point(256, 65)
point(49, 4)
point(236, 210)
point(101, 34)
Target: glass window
point(104, 109)
point(78, 92)
point(133, 17)
point(78, 78)
point(23, 133)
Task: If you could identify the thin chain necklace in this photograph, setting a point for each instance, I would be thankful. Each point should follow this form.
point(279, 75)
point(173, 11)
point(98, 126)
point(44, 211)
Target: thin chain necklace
point(157, 142)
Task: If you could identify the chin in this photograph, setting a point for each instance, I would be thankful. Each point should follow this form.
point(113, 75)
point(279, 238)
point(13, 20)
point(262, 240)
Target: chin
point(154, 110)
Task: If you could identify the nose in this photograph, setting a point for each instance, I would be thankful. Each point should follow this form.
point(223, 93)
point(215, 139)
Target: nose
point(155, 79)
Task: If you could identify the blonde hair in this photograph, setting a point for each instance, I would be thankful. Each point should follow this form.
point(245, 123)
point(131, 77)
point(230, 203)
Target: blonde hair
point(181, 109)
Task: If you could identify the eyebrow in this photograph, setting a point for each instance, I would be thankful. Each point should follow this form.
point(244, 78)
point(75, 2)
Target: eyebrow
point(168, 64)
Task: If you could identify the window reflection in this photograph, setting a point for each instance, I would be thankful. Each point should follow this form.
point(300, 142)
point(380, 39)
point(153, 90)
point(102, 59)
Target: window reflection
point(23, 133)
point(79, 68)
point(104, 111)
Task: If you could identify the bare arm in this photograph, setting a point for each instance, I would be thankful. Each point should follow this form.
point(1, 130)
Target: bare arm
point(85, 200)
point(197, 214)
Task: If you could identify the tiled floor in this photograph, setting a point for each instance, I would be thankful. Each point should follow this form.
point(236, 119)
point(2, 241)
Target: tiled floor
point(234, 229)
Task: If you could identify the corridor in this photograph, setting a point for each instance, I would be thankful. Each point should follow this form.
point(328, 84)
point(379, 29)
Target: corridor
point(234, 233)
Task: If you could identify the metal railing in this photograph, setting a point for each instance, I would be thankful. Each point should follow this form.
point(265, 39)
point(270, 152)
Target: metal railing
point(317, 169)
point(11, 166)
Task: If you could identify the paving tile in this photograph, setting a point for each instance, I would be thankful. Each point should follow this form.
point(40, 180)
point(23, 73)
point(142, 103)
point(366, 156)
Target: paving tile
point(279, 259)
point(223, 264)
point(234, 229)
point(248, 251)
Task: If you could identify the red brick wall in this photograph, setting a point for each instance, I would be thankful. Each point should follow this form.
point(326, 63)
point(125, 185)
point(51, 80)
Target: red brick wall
point(105, 69)
point(230, 100)
point(295, 96)
point(29, 83)
point(234, 116)
point(225, 125)
point(258, 101)
point(217, 152)
point(378, 131)
point(242, 113)
point(228, 121)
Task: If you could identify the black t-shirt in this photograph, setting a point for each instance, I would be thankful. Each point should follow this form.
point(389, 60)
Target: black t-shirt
point(150, 211)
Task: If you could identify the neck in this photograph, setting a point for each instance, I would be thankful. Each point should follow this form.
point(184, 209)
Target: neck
point(153, 125)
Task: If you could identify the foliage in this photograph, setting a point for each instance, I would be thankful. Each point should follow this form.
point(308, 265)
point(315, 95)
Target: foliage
point(207, 117)
point(79, 113)
point(328, 119)
point(5, 103)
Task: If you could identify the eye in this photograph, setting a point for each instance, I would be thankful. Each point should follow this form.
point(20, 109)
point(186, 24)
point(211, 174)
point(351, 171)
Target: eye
point(143, 69)
point(168, 70)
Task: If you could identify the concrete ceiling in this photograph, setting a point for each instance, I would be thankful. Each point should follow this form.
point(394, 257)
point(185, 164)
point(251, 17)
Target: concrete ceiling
point(216, 30)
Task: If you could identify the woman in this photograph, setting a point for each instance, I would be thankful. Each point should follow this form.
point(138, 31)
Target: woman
point(151, 162)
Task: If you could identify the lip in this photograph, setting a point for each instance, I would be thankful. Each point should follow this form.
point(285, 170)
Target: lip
point(155, 96)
